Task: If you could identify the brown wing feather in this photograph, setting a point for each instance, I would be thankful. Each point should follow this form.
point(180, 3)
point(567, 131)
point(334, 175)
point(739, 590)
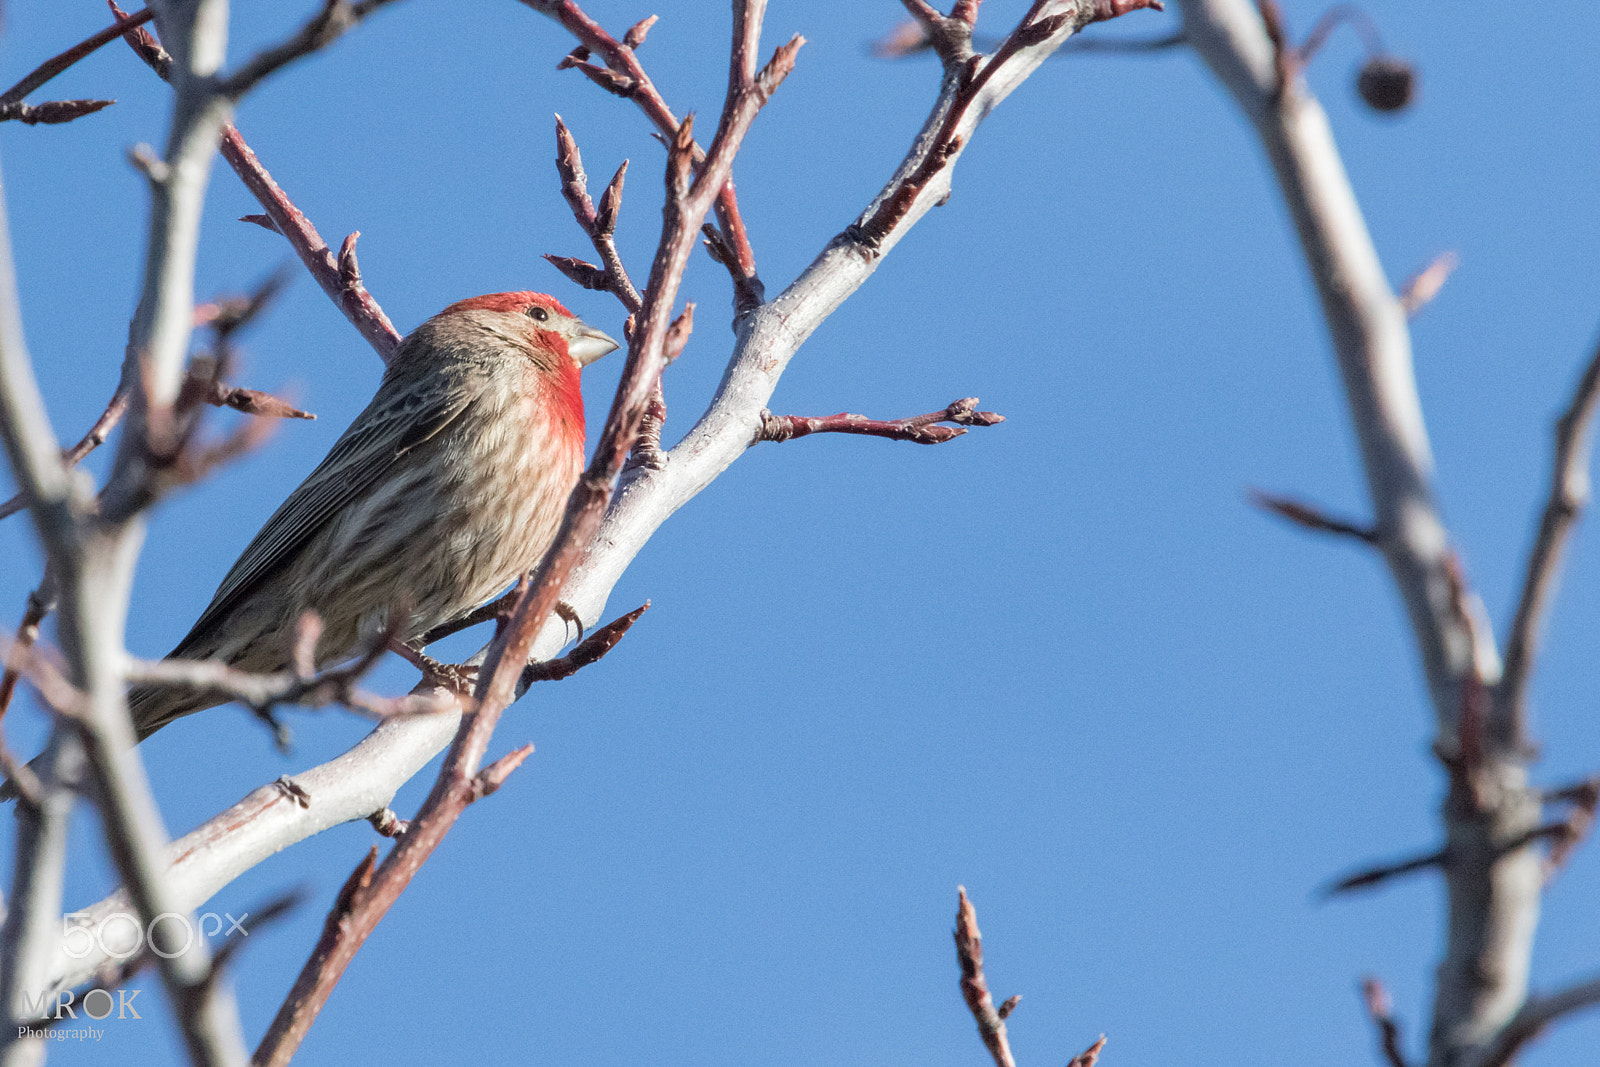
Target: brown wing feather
point(389, 427)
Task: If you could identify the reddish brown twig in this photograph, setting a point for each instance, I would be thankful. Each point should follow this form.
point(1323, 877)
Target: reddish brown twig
point(55, 65)
point(459, 782)
point(335, 19)
point(51, 112)
point(975, 988)
point(1380, 1009)
point(88, 443)
point(591, 649)
point(356, 303)
point(623, 74)
point(952, 38)
point(921, 429)
point(300, 1009)
point(1312, 518)
point(1089, 1056)
point(598, 224)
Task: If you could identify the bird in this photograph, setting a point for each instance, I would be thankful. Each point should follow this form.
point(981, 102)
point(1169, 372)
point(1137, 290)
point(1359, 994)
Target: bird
point(448, 486)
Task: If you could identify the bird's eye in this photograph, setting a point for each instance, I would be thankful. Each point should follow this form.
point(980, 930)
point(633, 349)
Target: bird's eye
point(538, 314)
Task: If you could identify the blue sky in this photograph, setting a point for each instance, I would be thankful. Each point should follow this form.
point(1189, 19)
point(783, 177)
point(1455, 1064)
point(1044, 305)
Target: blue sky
point(1060, 661)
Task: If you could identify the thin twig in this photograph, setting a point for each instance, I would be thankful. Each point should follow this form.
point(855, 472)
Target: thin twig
point(1569, 492)
point(51, 112)
point(921, 429)
point(336, 18)
point(1372, 876)
point(975, 988)
point(356, 303)
point(1311, 517)
point(1380, 1009)
point(55, 65)
point(626, 73)
point(590, 650)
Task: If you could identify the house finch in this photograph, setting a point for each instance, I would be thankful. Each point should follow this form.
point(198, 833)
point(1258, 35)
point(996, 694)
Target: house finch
point(450, 484)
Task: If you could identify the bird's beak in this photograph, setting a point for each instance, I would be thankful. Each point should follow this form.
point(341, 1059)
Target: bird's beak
point(589, 344)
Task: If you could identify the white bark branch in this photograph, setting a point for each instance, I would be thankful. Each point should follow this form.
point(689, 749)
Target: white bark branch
point(1494, 893)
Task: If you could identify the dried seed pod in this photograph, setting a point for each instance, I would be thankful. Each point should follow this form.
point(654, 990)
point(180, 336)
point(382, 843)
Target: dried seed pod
point(1387, 83)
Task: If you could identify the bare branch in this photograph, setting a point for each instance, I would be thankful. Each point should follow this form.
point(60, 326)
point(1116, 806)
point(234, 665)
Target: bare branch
point(1569, 493)
point(1493, 896)
point(299, 1010)
point(625, 76)
point(1311, 517)
point(1380, 1009)
point(263, 692)
point(1535, 1016)
point(1089, 1056)
point(335, 19)
point(356, 304)
point(51, 112)
point(590, 650)
point(921, 429)
point(599, 225)
point(974, 988)
point(55, 65)
point(1372, 876)
point(32, 930)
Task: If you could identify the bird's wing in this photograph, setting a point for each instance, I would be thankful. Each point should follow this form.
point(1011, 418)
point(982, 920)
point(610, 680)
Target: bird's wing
point(383, 433)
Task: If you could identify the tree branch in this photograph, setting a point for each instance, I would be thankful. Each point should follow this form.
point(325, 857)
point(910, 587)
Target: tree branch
point(1380, 1009)
point(1493, 895)
point(922, 429)
point(55, 65)
point(1536, 1015)
point(1372, 876)
point(336, 18)
point(628, 75)
point(974, 988)
point(354, 301)
point(1569, 492)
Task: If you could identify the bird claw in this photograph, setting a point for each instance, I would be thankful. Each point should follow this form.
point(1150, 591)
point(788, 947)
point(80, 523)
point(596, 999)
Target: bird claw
point(569, 614)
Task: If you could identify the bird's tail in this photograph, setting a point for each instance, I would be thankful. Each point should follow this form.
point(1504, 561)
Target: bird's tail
point(151, 708)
